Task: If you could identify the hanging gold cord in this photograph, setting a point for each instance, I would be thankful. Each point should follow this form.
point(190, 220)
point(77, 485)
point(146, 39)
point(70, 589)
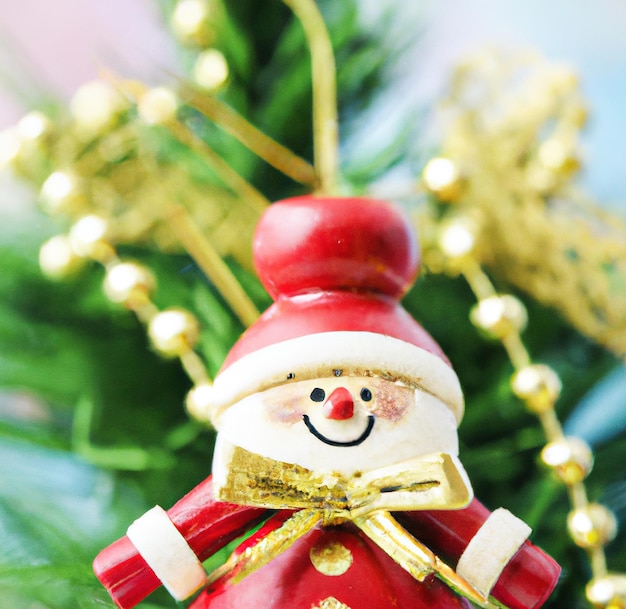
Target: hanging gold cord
point(252, 138)
point(325, 131)
point(205, 255)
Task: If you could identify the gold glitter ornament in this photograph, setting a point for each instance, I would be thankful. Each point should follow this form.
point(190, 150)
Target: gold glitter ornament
point(441, 177)
point(608, 592)
point(128, 282)
point(57, 258)
point(499, 316)
point(211, 70)
point(570, 458)
point(198, 402)
point(173, 332)
point(538, 385)
point(158, 106)
point(88, 238)
point(592, 526)
point(192, 22)
point(62, 193)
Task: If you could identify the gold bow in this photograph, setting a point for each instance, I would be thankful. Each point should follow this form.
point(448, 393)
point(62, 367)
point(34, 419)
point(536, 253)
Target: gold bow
point(435, 481)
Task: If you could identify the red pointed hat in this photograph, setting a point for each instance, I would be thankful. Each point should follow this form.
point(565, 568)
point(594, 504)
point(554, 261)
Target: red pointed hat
point(336, 268)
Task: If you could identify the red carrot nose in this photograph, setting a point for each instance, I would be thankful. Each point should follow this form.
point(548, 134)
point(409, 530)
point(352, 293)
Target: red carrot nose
point(339, 405)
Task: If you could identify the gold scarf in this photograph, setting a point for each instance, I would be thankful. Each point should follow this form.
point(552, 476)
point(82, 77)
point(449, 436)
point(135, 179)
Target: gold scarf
point(435, 481)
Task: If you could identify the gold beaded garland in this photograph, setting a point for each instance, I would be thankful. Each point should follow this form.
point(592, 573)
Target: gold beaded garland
point(173, 332)
point(62, 192)
point(570, 458)
point(457, 240)
point(88, 238)
point(192, 23)
point(211, 70)
point(198, 402)
point(128, 282)
point(499, 315)
point(538, 386)
point(441, 177)
point(57, 258)
point(607, 592)
point(592, 526)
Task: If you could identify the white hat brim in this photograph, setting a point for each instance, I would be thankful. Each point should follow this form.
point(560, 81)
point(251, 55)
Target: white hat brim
point(319, 355)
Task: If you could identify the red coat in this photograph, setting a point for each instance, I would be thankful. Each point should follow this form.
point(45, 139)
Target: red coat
point(372, 580)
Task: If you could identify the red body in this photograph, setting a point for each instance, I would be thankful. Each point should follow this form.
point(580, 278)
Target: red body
point(373, 581)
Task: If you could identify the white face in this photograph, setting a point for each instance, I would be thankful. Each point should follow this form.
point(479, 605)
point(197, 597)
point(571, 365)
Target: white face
point(340, 424)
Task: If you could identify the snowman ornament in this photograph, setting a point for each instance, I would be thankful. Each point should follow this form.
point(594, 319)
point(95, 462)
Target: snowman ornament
point(337, 419)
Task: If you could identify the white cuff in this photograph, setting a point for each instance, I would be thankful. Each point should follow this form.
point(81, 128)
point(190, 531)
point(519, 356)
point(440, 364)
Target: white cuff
point(491, 549)
point(167, 553)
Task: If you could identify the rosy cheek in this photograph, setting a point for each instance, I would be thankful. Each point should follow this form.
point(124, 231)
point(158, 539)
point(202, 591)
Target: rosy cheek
point(284, 409)
point(392, 402)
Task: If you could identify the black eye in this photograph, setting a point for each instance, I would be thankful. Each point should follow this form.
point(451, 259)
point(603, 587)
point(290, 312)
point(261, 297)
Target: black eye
point(318, 395)
point(366, 394)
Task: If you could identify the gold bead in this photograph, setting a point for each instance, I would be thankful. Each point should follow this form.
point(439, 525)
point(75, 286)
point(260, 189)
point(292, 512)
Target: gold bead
point(173, 332)
point(96, 107)
point(555, 155)
point(499, 316)
point(210, 70)
point(199, 402)
point(538, 385)
point(441, 177)
point(34, 127)
point(192, 23)
point(158, 106)
point(128, 283)
point(592, 526)
point(570, 458)
point(608, 592)
point(62, 192)
point(457, 239)
point(57, 259)
point(89, 238)
point(27, 137)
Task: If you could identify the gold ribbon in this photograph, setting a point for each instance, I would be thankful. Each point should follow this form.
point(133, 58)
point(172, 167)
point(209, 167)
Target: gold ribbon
point(435, 481)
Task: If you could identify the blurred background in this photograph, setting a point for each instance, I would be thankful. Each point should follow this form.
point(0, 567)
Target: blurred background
point(53, 48)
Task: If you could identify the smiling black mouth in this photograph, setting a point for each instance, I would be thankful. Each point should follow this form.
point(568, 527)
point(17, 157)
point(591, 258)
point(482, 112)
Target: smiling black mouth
point(323, 438)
